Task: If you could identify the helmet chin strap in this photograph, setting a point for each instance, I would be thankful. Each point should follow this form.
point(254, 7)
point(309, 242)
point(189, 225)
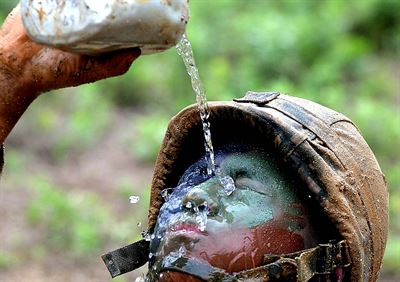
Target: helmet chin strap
point(198, 268)
point(327, 260)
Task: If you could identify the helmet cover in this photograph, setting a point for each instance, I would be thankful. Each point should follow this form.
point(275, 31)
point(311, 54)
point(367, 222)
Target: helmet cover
point(324, 148)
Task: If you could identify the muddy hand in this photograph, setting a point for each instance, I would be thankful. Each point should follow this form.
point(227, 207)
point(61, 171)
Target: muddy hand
point(43, 68)
point(28, 69)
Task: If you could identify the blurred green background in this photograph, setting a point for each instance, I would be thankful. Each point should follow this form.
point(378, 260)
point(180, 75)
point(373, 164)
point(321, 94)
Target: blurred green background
point(79, 153)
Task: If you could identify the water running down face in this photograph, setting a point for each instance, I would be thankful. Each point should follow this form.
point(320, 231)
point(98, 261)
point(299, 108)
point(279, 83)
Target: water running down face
point(264, 214)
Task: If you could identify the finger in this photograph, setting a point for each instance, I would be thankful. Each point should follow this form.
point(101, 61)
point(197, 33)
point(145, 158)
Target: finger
point(109, 65)
point(16, 47)
point(68, 69)
point(12, 24)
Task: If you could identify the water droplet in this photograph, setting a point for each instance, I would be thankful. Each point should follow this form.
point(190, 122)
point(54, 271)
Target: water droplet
point(181, 251)
point(173, 256)
point(147, 236)
point(166, 193)
point(201, 220)
point(228, 183)
point(140, 279)
point(144, 233)
point(189, 205)
point(134, 199)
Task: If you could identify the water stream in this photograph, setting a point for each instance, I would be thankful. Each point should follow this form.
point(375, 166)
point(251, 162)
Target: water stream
point(184, 49)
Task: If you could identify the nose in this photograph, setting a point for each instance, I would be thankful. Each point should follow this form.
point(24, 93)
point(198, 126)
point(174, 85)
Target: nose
point(203, 197)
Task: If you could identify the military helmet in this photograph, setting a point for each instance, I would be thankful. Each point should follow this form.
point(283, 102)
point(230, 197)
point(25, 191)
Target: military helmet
point(323, 147)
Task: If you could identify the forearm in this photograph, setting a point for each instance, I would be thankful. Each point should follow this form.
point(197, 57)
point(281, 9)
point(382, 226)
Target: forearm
point(17, 89)
point(15, 98)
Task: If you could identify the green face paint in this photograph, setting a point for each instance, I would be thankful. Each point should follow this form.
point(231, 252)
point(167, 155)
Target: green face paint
point(263, 214)
point(261, 188)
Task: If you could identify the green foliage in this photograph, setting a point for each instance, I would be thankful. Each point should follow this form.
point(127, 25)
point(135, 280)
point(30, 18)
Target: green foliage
point(7, 259)
point(6, 7)
point(72, 222)
point(86, 120)
point(150, 133)
point(127, 231)
point(16, 161)
point(68, 121)
point(392, 254)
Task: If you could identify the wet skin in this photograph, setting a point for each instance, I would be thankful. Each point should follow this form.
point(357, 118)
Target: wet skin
point(262, 216)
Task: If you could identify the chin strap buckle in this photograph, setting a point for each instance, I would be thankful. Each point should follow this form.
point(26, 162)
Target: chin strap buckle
point(326, 260)
point(331, 256)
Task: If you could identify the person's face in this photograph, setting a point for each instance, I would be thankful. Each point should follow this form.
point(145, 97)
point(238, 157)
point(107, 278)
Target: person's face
point(233, 232)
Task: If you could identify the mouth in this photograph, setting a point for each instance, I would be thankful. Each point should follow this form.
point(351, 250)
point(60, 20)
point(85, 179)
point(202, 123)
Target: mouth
point(185, 228)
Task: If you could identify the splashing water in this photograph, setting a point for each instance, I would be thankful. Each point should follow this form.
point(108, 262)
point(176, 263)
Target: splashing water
point(146, 235)
point(228, 183)
point(165, 193)
point(201, 217)
point(174, 256)
point(188, 205)
point(184, 49)
point(141, 278)
point(134, 199)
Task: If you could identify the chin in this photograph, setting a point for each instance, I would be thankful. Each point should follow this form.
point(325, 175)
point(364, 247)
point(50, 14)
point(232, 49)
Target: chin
point(174, 240)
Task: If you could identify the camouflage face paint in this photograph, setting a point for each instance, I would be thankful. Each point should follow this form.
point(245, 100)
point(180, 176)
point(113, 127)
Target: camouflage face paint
point(263, 215)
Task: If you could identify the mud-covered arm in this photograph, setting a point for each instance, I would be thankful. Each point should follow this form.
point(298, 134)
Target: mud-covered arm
point(28, 69)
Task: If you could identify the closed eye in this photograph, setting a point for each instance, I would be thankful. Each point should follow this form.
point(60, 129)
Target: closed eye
point(254, 185)
point(240, 174)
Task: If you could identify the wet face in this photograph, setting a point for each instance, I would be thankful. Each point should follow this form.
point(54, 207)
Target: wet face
point(233, 230)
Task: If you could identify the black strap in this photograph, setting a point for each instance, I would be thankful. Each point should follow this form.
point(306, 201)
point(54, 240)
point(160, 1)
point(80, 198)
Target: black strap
point(200, 269)
point(282, 268)
point(324, 259)
point(321, 260)
point(127, 258)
